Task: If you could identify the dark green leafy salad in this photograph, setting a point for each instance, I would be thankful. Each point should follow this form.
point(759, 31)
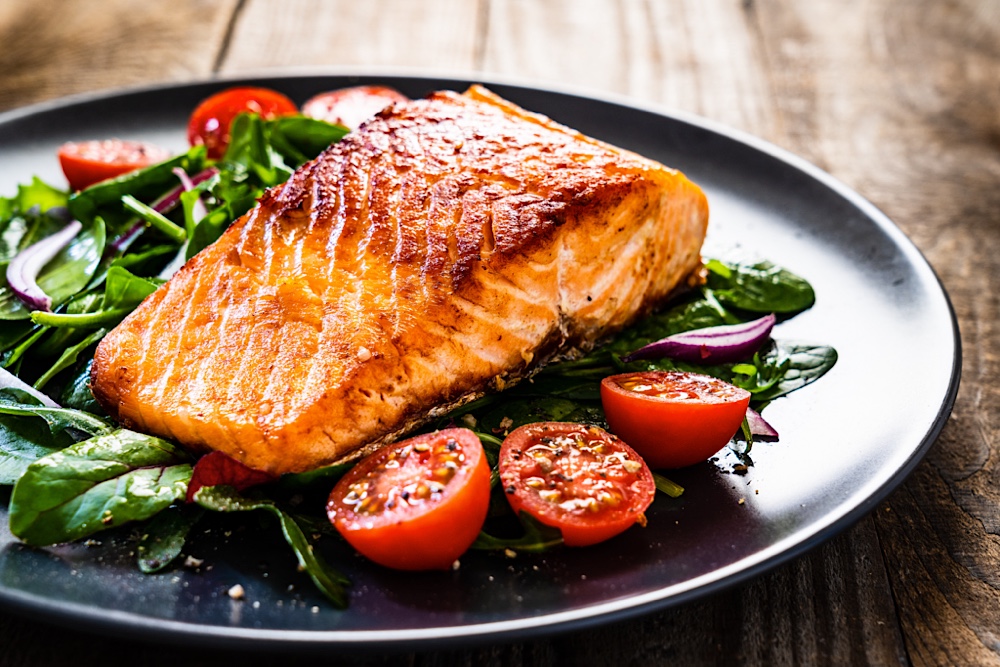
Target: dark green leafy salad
point(75, 473)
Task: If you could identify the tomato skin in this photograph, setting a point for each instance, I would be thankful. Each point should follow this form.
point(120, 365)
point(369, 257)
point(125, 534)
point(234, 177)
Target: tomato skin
point(209, 123)
point(418, 529)
point(351, 106)
point(87, 162)
point(590, 492)
point(674, 432)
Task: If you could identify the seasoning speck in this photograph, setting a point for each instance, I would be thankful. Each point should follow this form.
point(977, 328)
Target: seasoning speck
point(742, 500)
point(455, 566)
point(236, 592)
point(364, 354)
point(192, 562)
point(510, 553)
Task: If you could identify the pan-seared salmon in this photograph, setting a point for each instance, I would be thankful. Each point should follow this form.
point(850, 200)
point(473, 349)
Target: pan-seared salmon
point(448, 247)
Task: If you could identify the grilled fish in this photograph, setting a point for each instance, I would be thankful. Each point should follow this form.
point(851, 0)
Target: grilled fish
point(448, 247)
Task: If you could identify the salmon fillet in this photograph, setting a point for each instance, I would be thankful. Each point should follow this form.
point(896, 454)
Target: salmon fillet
point(448, 247)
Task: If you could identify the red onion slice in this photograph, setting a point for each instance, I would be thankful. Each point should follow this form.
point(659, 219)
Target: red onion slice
point(170, 200)
point(23, 270)
point(759, 428)
point(715, 345)
point(10, 381)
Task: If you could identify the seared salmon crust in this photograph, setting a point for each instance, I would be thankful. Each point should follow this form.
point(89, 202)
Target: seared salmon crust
point(448, 247)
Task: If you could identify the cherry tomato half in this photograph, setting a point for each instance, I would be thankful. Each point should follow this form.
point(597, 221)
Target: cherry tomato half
point(87, 162)
point(209, 124)
point(577, 478)
point(673, 419)
point(417, 504)
point(351, 106)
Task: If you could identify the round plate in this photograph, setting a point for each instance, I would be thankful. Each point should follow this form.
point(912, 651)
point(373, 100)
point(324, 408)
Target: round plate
point(846, 441)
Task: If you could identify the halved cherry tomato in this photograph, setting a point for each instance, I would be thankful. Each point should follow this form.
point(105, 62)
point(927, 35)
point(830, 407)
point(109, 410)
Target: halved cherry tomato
point(351, 106)
point(417, 504)
point(209, 124)
point(87, 162)
point(577, 478)
point(673, 419)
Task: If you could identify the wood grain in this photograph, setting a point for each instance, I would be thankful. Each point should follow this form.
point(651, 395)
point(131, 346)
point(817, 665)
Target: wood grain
point(898, 98)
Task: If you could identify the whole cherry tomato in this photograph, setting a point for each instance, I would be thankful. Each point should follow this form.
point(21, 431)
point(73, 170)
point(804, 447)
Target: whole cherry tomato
point(209, 124)
point(672, 418)
point(351, 106)
point(417, 504)
point(577, 478)
point(87, 162)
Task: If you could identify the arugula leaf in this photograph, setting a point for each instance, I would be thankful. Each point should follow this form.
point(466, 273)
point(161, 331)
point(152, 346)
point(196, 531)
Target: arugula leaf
point(329, 581)
point(164, 537)
point(537, 538)
point(95, 485)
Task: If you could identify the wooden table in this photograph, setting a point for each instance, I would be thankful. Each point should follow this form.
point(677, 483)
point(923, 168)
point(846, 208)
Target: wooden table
point(899, 99)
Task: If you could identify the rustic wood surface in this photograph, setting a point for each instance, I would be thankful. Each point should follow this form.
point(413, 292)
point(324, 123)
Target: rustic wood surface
point(898, 98)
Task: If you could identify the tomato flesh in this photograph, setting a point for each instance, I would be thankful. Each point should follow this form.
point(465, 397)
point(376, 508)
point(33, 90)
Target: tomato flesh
point(209, 123)
point(672, 418)
point(351, 106)
point(577, 478)
point(87, 162)
point(417, 504)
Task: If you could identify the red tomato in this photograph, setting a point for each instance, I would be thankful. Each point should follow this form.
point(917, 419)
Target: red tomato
point(416, 504)
point(89, 162)
point(577, 478)
point(673, 419)
point(209, 124)
point(351, 106)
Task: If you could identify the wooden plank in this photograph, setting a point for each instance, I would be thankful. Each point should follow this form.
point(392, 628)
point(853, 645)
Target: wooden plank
point(900, 99)
point(432, 34)
point(84, 47)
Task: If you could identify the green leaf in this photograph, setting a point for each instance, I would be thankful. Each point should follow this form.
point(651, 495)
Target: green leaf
point(23, 441)
point(761, 288)
point(537, 538)
point(77, 395)
point(308, 136)
point(67, 273)
point(330, 582)
point(97, 484)
point(804, 364)
point(122, 293)
point(146, 185)
point(164, 537)
point(41, 194)
point(68, 358)
point(58, 419)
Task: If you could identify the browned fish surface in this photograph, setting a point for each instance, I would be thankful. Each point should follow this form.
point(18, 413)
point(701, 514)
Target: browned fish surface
point(449, 246)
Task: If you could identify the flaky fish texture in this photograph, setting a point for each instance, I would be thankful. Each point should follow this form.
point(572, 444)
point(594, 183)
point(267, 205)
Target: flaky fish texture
point(446, 248)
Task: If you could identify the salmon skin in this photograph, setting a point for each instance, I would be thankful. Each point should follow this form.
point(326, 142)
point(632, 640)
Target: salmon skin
point(447, 248)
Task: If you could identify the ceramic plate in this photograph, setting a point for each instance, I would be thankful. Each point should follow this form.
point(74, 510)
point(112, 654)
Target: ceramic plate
point(846, 441)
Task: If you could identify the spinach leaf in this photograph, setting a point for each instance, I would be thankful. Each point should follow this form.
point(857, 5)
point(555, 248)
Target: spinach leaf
point(95, 485)
point(105, 198)
point(804, 363)
point(18, 404)
point(67, 273)
point(23, 441)
point(330, 582)
point(77, 395)
point(122, 293)
point(164, 537)
point(68, 357)
point(537, 538)
point(759, 288)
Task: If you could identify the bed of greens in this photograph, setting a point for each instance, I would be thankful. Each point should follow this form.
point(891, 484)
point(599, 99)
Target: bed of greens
point(75, 473)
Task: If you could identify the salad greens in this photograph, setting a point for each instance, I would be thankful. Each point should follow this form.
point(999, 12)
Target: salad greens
point(76, 474)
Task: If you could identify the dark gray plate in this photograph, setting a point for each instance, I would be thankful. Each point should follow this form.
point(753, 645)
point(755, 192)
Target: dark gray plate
point(846, 441)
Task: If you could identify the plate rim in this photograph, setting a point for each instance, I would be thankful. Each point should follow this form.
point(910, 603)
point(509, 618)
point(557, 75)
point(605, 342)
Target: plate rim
point(109, 621)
